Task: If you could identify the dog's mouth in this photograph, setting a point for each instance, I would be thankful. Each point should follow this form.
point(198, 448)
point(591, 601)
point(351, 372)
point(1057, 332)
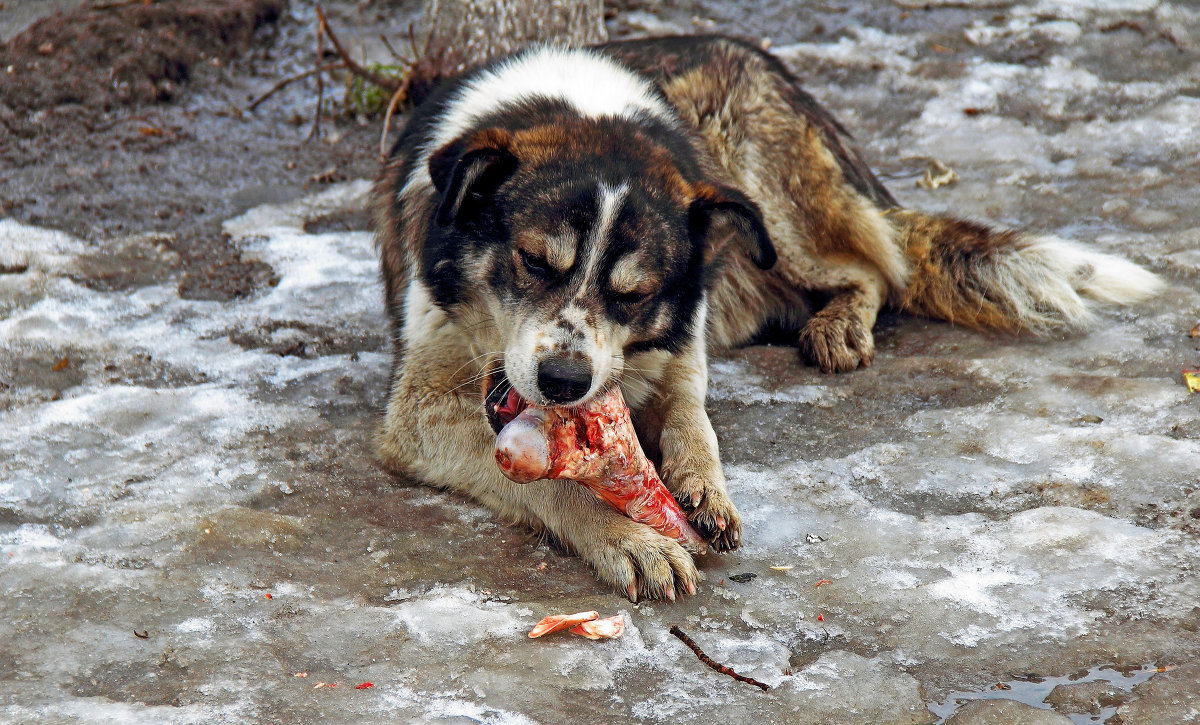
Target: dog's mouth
point(501, 402)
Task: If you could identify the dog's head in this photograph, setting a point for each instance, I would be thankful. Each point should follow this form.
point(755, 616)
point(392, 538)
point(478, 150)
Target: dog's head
point(579, 242)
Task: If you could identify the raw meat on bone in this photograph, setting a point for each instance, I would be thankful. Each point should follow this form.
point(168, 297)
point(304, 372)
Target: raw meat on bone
point(595, 445)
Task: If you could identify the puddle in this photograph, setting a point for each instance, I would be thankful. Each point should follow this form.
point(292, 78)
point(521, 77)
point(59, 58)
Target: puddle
point(1034, 690)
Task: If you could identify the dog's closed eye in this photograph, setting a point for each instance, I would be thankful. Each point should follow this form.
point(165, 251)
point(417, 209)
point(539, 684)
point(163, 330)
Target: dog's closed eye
point(629, 298)
point(537, 265)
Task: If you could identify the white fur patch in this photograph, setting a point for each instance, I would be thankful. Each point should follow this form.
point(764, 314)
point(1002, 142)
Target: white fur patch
point(1046, 282)
point(421, 315)
point(592, 84)
point(610, 204)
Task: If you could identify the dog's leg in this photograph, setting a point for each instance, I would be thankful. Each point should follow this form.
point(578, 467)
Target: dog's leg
point(838, 338)
point(442, 438)
point(691, 467)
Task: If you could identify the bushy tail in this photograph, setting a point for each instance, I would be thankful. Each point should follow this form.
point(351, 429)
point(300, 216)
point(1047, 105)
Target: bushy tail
point(983, 277)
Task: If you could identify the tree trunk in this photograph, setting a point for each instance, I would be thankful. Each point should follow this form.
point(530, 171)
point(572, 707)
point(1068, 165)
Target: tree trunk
point(461, 34)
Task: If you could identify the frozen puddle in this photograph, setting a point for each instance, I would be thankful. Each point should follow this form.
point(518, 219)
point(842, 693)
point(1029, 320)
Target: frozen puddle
point(1100, 703)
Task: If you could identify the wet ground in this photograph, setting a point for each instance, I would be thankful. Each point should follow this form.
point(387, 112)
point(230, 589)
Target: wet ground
point(193, 356)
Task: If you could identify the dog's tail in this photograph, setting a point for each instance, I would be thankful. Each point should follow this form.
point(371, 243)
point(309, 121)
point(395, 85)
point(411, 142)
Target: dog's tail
point(988, 278)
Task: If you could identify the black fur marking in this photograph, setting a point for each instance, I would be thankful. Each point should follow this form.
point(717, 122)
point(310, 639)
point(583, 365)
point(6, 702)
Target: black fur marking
point(745, 216)
point(466, 181)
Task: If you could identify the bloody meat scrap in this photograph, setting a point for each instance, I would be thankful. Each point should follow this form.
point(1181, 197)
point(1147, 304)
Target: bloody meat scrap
point(584, 624)
point(595, 445)
point(559, 622)
point(607, 628)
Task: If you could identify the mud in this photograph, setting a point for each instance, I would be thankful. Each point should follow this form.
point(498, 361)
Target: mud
point(170, 152)
point(105, 54)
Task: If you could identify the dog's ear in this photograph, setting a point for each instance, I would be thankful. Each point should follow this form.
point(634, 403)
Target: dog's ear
point(722, 204)
point(468, 170)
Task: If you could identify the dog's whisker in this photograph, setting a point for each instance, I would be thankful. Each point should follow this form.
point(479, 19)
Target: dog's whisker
point(460, 367)
point(473, 379)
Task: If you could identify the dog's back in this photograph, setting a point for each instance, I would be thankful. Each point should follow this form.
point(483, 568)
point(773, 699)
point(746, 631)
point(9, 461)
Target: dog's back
point(840, 234)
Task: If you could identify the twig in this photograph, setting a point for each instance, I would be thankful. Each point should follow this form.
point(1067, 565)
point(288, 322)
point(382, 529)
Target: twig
point(292, 79)
point(397, 98)
point(1166, 35)
point(388, 44)
point(412, 44)
point(715, 665)
point(378, 79)
point(144, 634)
point(110, 4)
point(316, 127)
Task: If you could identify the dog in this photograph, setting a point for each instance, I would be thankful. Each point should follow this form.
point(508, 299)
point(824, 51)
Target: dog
point(565, 220)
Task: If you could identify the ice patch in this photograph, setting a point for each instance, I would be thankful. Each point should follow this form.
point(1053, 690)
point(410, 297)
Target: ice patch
point(196, 625)
point(446, 707)
point(35, 249)
point(862, 47)
point(734, 380)
point(103, 439)
point(28, 536)
point(460, 616)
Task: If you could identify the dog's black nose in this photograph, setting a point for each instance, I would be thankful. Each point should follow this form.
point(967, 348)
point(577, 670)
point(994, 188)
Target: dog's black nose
point(564, 379)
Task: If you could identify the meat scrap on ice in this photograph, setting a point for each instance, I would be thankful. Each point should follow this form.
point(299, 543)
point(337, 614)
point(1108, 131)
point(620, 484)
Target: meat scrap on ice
point(584, 624)
point(595, 445)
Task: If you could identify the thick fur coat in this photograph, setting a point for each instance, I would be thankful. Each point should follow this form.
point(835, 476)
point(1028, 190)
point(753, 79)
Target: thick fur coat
point(566, 220)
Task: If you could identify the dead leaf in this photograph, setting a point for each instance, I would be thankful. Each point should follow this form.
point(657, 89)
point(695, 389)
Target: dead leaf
point(1192, 379)
point(1195, 331)
point(61, 365)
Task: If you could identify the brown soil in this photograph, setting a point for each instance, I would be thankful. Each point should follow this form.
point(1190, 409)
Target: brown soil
point(129, 120)
point(119, 53)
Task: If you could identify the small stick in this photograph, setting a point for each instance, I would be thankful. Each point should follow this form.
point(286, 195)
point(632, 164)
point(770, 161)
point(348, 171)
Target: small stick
point(289, 80)
point(110, 4)
point(397, 98)
point(316, 128)
point(715, 665)
point(412, 44)
point(388, 44)
point(144, 634)
point(380, 80)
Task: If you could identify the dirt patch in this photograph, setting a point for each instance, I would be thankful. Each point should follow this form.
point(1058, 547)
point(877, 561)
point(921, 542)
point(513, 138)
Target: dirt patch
point(101, 165)
point(104, 55)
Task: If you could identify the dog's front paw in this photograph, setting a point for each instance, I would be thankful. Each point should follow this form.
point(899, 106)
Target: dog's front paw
point(709, 509)
point(643, 563)
point(837, 343)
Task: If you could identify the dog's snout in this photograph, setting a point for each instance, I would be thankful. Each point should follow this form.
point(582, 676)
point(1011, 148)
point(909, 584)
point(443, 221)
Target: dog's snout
point(564, 379)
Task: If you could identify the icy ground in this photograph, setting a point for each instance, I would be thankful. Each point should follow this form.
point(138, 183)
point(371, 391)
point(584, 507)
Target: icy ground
point(190, 514)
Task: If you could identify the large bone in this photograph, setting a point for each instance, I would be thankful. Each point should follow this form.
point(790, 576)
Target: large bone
point(596, 446)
